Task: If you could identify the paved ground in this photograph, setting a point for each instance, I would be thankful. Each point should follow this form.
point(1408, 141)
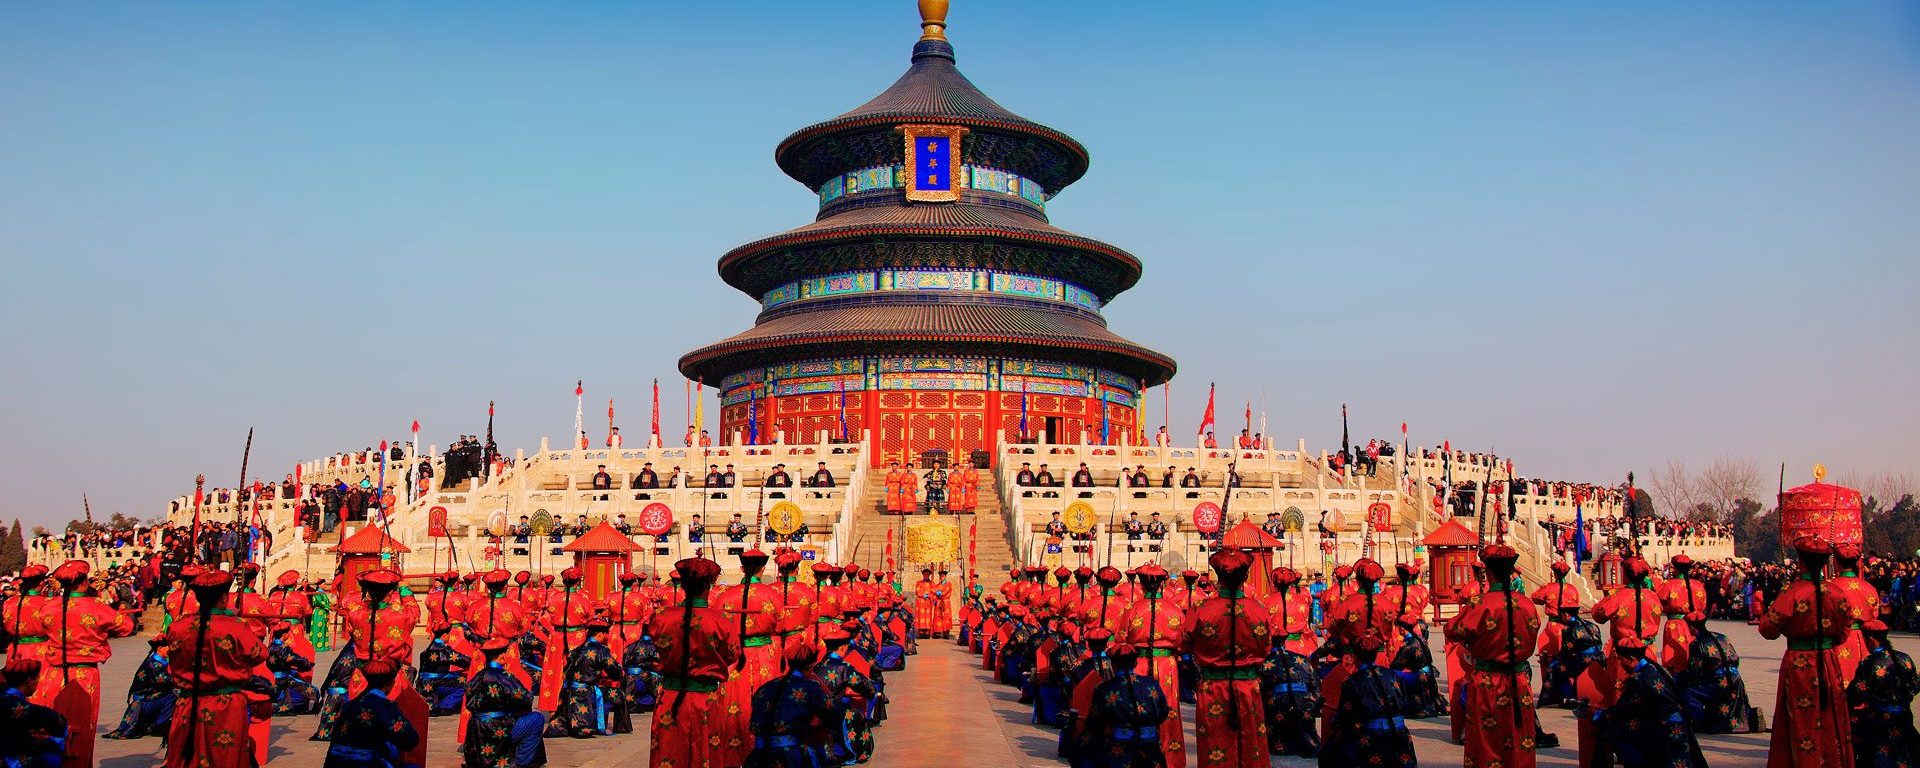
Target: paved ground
point(946, 710)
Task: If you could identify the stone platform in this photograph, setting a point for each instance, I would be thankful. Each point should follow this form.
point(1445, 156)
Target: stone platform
point(945, 710)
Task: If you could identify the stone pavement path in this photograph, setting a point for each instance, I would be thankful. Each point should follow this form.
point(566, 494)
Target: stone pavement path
point(946, 711)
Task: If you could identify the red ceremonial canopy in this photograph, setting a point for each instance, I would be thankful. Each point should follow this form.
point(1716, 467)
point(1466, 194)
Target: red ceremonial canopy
point(603, 538)
point(1451, 534)
point(1831, 512)
point(370, 540)
point(1260, 545)
point(1246, 535)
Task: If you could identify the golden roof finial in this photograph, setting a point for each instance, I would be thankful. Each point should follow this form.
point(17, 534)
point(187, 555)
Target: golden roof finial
point(1819, 473)
point(933, 19)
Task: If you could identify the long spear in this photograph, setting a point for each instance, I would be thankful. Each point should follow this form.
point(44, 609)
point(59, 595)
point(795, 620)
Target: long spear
point(245, 455)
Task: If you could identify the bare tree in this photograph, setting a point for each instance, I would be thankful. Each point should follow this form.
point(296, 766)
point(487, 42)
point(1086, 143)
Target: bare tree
point(1886, 486)
point(1709, 494)
point(1674, 488)
point(1724, 482)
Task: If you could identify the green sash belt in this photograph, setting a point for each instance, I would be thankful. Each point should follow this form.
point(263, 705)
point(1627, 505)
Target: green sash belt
point(1230, 673)
point(1159, 651)
point(1813, 644)
point(757, 641)
point(689, 685)
point(1515, 668)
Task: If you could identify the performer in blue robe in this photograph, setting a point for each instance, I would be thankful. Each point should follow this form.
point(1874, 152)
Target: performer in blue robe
point(1647, 727)
point(1881, 699)
point(1128, 710)
point(1714, 694)
point(149, 699)
point(443, 679)
point(1291, 689)
point(789, 716)
point(642, 663)
point(850, 737)
point(333, 690)
point(371, 731)
point(292, 694)
point(1368, 728)
point(503, 729)
point(31, 735)
point(1413, 665)
point(586, 709)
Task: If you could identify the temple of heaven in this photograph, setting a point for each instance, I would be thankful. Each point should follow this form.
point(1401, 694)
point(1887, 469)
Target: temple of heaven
point(930, 301)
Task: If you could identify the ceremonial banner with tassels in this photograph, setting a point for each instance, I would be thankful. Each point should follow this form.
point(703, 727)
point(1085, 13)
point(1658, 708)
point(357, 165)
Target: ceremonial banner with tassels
point(933, 541)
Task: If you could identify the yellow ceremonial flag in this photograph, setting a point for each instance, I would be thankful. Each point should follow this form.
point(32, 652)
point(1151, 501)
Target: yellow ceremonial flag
point(699, 410)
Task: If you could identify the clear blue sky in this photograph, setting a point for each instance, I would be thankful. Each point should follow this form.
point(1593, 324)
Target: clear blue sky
point(1594, 236)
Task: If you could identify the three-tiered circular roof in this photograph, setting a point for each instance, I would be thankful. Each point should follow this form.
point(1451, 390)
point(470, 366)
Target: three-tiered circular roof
point(880, 229)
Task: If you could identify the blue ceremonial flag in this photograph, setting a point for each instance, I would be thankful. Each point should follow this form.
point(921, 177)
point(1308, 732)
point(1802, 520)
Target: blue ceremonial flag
point(753, 416)
point(1579, 535)
point(842, 386)
point(1105, 424)
point(1023, 410)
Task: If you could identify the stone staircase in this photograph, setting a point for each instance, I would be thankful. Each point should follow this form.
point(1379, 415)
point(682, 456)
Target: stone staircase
point(993, 553)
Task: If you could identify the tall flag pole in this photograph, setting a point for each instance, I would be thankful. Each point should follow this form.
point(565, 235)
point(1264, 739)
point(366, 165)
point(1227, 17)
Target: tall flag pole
point(418, 451)
point(1023, 409)
point(579, 412)
point(1346, 443)
point(487, 459)
point(654, 442)
point(245, 456)
point(687, 386)
point(609, 422)
point(699, 412)
point(1206, 419)
point(1579, 531)
point(753, 414)
point(840, 386)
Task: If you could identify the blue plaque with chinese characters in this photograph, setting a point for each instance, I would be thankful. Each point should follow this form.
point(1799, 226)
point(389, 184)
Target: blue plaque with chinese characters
point(933, 162)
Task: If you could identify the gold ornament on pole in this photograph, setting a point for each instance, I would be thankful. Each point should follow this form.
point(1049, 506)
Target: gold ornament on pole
point(933, 19)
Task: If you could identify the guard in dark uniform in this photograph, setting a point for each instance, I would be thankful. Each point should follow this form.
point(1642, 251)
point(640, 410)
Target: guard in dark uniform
point(371, 731)
point(1128, 712)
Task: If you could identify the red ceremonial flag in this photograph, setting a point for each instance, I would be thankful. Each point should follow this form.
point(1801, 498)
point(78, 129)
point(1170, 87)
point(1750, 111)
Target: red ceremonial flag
point(416, 426)
point(656, 412)
point(579, 388)
point(1206, 419)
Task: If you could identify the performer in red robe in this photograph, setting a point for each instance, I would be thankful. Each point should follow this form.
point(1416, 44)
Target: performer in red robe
point(20, 615)
point(1679, 596)
point(1291, 609)
point(287, 600)
point(754, 609)
point(1106, 609)
point(698, 644)
point(1865, 600)
point(942, 605)
point(1365, 612)
point(568, 610)
point(1498, 635)
point(1811, 727)
point(211, 657)
point(1464, 595)
point(923, 602)
point(77, 629)
point(628, 612)
point(1228, 640)
point(797, 602)
point(1156, 626)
